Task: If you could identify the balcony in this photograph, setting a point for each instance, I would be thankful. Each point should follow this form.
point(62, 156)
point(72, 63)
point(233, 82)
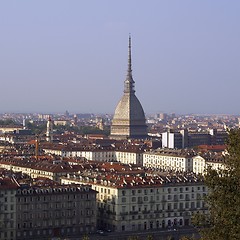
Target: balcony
point(145, 211)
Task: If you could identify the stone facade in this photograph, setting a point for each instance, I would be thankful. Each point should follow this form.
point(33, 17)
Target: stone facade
point(139, 203)
point(8, 189)
point(55, 211)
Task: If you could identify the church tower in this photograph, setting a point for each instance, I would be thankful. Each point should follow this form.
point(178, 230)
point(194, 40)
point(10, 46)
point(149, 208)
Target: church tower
point(49, 133)
point(129, 118)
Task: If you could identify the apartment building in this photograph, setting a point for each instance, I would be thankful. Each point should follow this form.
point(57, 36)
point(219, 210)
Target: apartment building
point(8, 189)
point(199, 164)
point(141, 201)
point(188, 139)
point(202, 163)
point(57, 211)
point(38, 168)
point(124, 154)
point(43, 209)
point(169, 159)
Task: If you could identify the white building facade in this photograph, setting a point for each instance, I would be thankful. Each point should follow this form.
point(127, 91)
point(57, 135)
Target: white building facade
point(168, 160)
point(147, 204)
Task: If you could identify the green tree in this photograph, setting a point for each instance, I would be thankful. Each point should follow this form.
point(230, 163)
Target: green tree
point(7, 122)
point(224, 195)
point(37, 128)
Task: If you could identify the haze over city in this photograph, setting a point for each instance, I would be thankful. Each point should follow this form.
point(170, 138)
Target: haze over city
point(72, 55)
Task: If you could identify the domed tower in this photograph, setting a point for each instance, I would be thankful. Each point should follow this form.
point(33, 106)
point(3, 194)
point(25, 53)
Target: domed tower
point(129, 118)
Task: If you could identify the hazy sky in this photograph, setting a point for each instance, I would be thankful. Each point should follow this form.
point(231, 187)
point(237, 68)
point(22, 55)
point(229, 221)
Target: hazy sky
point(72, 55)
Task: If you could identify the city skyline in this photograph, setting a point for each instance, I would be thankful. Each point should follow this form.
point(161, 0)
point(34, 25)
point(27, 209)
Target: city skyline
point(73, 56)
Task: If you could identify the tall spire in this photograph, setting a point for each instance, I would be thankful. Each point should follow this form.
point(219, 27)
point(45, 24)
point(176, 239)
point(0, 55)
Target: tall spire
point(129, 82)
point(129, 57)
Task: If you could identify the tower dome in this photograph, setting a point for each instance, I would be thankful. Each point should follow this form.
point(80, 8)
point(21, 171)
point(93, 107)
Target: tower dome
point(129, 118)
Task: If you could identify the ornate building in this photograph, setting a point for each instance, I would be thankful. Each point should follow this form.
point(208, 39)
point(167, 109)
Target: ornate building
point(129, 118)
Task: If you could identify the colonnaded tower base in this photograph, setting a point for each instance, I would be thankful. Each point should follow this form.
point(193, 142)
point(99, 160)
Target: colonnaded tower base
point(129, 119)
